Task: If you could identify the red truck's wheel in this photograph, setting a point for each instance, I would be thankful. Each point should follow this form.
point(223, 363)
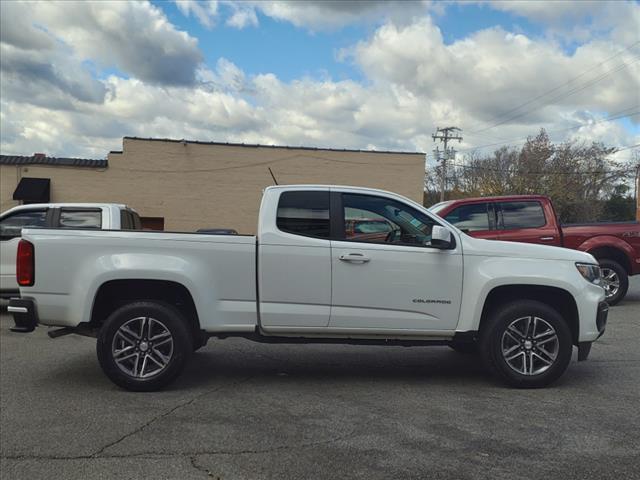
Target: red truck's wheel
point(526, 343)
point(143, 346)
point(614, 280)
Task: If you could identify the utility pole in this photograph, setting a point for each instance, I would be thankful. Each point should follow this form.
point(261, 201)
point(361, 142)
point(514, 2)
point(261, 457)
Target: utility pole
point(444, 135)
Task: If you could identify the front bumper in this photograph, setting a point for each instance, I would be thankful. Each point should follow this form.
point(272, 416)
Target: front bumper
point(584, 348)
point(601, 318)
point(24, 315)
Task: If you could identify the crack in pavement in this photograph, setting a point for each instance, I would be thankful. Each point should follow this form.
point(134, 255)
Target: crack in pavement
point(196, 453)
point(200, 468)
point(186, 403)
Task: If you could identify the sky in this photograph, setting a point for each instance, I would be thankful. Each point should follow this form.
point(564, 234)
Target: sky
point(75, 77)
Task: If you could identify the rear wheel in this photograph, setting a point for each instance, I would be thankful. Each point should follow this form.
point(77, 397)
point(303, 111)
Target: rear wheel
point(615, 280)
point(143, 346)
point(526, 343)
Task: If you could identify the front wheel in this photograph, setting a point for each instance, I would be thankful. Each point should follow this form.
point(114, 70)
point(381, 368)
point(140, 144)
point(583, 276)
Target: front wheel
point(615, 280)
point(526, 343)
point(143, 346)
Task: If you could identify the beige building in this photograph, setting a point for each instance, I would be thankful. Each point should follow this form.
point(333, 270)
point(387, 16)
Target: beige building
point(186, 185)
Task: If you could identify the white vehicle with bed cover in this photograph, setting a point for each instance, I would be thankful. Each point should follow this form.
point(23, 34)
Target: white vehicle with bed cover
point(152, 298)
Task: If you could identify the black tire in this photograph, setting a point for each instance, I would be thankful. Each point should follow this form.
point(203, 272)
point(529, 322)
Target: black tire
point(621, 273)
point(466, 348)
point(166, 319)
point(493, 339)
point(200, 340)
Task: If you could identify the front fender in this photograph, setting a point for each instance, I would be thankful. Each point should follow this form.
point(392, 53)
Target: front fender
point(608, 241)
point(483, 274)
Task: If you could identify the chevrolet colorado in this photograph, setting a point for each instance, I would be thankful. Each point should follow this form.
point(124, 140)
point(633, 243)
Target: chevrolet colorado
point(532, 219)
point(153, 298)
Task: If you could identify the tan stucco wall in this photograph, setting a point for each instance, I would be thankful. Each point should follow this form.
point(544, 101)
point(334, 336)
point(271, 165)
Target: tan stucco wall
point(197, 185)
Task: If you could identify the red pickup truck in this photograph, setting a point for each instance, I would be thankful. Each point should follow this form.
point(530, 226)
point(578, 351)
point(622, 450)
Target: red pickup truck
point(532, 219)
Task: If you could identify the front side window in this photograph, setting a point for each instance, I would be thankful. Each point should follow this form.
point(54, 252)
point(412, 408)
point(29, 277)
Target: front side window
point(382, 220)
point(470, 218)
point(80, 218)
point(12, 225)
point(304, 213)
point(522, 215)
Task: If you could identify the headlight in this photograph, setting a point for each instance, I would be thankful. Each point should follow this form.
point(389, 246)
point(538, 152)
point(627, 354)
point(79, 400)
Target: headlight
point(590, 272)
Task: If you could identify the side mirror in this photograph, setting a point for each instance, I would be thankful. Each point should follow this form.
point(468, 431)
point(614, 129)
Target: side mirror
point(440, 237)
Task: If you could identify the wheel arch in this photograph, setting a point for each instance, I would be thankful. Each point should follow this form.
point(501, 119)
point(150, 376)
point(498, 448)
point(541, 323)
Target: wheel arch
point(115, 293)
point(612, 253)
point(557, 298)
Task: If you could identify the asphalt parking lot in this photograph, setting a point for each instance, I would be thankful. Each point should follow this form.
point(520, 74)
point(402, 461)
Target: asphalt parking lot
point(246, 410)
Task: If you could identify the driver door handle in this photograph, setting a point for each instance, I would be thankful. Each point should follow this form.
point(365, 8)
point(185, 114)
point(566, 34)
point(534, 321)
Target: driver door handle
point(354, 258)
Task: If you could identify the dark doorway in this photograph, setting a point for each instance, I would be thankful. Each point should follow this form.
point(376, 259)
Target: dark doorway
point(152, 223)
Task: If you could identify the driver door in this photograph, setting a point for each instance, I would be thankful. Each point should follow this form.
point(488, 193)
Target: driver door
point(396, 281)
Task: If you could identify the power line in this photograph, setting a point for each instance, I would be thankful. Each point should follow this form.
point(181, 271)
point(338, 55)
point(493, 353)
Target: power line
point(594, 172)
point(522, 140)
point(627, 148)
point(562, 85)
point(558, 97)
point(619, 114)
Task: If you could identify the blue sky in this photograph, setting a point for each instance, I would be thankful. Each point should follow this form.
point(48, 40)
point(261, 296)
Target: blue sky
point(304, 52)
point(367, 74)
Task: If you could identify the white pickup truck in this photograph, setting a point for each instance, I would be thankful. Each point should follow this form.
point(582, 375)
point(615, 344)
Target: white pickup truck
point(106, 216)
point(331, 265)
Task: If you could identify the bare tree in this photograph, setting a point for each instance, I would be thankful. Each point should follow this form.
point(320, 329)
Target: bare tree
point(577, 176)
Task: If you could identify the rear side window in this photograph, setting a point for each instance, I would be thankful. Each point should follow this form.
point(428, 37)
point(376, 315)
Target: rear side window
point(472, 217)
point(135, 218)
point(70, 218)
point(125, 220)
point(12, 225)
point(304, 213)
point(129, 220)
point(522, 215)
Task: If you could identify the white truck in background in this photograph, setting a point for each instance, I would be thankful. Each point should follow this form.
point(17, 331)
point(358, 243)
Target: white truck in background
point(330, 264)
point(101, 216)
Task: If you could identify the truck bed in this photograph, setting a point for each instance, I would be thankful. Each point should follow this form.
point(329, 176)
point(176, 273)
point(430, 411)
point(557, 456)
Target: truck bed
point(219, 268)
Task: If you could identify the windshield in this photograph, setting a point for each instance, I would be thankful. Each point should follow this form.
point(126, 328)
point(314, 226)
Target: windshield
point(438, 207)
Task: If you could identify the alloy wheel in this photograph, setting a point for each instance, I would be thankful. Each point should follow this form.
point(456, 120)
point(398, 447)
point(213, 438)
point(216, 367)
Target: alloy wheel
point(610, 281)
point(142, 347)
point(530, 345)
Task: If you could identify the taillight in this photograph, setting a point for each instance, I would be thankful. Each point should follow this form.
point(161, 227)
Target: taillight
point(25, 265)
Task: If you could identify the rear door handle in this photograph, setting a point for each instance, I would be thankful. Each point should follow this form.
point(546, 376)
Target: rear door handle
point(354, 258)
point(546, 239)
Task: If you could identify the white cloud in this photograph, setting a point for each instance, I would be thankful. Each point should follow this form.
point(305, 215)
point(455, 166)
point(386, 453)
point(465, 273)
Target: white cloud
point(331, 14)
point(205, 11)
point(582, 21)
point(242, 16)
point(477, 81)
point(134, 37)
